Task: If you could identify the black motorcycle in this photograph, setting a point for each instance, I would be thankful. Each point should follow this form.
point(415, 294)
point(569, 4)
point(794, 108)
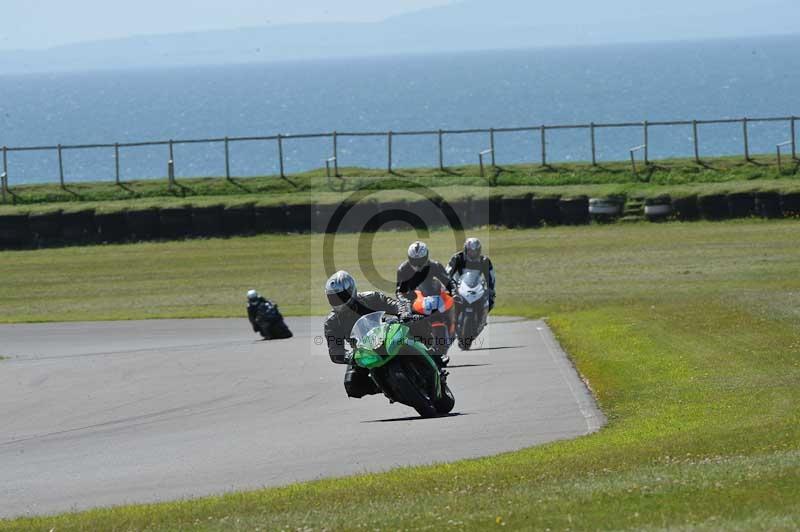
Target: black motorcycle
point(268, 321)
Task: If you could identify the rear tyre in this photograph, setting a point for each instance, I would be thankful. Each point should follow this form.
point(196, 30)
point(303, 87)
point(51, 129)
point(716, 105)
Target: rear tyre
point(408, 393)
point(447, 402)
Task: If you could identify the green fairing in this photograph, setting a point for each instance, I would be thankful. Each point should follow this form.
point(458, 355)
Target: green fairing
point(395, 336)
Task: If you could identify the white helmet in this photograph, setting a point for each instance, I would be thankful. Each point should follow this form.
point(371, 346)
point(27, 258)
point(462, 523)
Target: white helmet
point(252, 296)
point(418, 255)
point(340, 289)
point(472, 249)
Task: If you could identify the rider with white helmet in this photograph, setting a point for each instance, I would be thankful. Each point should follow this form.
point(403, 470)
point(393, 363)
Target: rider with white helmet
point(348, 305)
point(265, 318)
point(472, 258)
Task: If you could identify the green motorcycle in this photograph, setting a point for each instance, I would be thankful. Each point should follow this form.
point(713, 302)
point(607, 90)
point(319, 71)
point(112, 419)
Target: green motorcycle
point(401, 367)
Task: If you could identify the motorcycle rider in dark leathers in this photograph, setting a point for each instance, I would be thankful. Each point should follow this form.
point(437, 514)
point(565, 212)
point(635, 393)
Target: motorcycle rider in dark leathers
point(419, 269)
point(348, 306)
point(472, 258)
point(276, 328)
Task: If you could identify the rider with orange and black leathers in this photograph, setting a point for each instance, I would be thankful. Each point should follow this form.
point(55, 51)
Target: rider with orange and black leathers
point(348, 306)
point(420, 269)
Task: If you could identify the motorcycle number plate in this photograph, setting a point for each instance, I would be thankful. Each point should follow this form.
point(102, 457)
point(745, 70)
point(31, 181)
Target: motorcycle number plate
point(469, 310)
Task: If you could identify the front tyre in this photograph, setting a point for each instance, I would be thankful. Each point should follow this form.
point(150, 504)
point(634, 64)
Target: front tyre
point(409, 394)
point(466, 334)
point(447, 402)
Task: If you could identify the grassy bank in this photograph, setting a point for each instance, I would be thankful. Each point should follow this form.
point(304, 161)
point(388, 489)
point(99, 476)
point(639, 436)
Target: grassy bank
point(688, 335)
point(541, 272)
point(677, 177)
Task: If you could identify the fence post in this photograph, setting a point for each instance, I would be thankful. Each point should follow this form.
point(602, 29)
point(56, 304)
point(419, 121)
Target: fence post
point(116, 163)
point(746, 140)
point(335, 154)
point(646, 143)
point(794, 138)
point(171, 174)
point(441, 151)
point(4, 184)
point(544, 145)
point(594, 144)
point(491, 146)
point(280, 156)
point(696, 142)
point(172, 152)
point(60, 167)
point(389, 149)
point(227, 160)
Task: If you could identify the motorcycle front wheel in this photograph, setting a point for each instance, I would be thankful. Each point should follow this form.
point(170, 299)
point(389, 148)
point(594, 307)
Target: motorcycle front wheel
point(465, 336)
point(408, 393)
point(447, 402)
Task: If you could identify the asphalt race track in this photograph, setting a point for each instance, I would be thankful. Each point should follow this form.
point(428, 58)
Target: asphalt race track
point(99, 414)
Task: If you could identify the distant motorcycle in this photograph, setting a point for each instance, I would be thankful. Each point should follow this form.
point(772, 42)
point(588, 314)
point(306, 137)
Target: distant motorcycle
point(472, 308)
point(269, 321)
point(402, 367)
point(438, 329)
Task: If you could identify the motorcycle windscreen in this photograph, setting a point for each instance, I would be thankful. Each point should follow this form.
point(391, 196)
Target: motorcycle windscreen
point(364, 326)
point(471, 278)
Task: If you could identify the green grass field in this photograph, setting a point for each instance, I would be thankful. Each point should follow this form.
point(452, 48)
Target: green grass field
point(688, 334)
point(674, 176)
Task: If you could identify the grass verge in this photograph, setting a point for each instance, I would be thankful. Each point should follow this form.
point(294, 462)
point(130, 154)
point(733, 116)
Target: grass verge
point(688, 335)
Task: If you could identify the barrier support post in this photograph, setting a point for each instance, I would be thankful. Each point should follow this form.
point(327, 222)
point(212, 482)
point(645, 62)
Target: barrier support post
point(441, 150)
point(746, 140)
point(4, 184)
point(544, 145)
point(389, 150)
point(227, 159)
point(491, 147)
point(116, 163)
point(280, 156)
point(60, 167)
point(335, 154)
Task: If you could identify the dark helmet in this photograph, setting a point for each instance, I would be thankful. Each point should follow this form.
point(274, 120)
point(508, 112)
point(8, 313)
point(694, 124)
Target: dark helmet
point(340, 289)
point(418, 255)
point(472, 249)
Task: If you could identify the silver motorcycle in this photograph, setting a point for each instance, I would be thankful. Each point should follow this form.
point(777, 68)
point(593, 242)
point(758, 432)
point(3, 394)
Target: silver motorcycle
point(472, 308)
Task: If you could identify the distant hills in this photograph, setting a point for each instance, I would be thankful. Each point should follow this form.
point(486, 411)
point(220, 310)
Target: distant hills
point(462, 26)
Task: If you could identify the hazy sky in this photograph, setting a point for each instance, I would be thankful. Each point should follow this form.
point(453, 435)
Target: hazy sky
point(46, 23)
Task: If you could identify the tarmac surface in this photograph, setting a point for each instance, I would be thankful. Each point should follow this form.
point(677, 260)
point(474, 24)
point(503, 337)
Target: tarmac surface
point(101, 414)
